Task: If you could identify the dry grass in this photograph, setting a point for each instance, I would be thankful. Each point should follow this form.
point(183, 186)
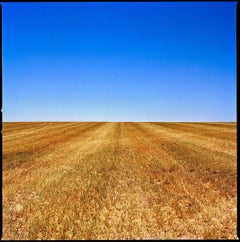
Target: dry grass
point(119, 181)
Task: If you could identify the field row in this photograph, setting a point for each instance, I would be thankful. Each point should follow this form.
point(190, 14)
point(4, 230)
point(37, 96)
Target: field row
point(119, 180)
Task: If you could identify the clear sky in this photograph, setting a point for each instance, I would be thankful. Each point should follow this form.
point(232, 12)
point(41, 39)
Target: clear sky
point(132, 61)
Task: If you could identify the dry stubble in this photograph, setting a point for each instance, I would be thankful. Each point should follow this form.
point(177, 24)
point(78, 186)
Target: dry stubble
point(119, 180)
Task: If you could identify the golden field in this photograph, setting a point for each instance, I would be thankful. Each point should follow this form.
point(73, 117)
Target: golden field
point(103, 180)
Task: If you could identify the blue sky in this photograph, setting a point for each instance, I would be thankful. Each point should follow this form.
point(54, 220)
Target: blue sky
point(132, 61)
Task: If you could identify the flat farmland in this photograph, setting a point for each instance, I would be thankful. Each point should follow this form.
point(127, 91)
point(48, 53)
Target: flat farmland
point(103, 180)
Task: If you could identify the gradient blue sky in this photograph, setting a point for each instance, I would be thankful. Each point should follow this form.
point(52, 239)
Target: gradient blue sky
point(139, 61)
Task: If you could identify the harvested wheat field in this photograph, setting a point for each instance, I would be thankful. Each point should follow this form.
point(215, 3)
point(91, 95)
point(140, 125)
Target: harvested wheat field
point(70, 180)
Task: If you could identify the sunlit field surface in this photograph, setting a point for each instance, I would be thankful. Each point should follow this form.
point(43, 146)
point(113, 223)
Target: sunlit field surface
point(69, 180)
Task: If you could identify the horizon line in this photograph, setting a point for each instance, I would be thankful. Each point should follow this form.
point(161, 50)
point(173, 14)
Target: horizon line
point(105, 121)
